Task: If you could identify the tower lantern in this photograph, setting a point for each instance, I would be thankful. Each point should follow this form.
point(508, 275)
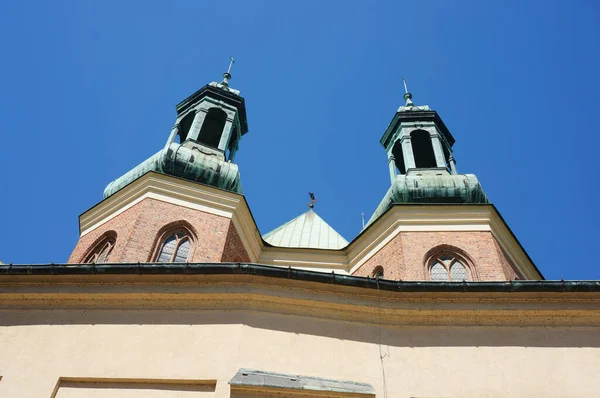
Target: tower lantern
point(203, 142)
point(421, 165)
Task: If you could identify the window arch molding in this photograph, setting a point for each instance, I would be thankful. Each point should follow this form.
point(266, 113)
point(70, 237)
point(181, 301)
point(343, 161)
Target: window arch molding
point(176, 227)
point(453, 254)
point(108, 237)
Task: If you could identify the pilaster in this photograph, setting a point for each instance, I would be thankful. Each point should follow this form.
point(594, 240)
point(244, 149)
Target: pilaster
point(392, 167)
point(197, 123)
point(226, 134)
point(407, 151)
point(174, 132)
point(438, 150)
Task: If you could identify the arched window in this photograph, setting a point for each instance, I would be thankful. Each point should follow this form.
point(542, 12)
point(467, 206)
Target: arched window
point(399, 157)
point(378, 272)
point(175, 249)
point(422, 149)
point(212, 127)
point(184, 127)
point(102, 252)
point(448, 268)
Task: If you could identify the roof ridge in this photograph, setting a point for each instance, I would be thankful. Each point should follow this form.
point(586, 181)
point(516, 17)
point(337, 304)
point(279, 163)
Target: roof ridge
point(307, 230)
point(282, 226)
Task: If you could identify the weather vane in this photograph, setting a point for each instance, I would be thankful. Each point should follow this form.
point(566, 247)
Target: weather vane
point(407, 95)
point(311, 204)
point(227, 75)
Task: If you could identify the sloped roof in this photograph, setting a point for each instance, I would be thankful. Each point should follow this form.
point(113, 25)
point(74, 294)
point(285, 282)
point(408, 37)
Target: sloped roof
point(307, 230)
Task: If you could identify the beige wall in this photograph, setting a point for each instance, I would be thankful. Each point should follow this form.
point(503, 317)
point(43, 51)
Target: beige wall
point(37, 347)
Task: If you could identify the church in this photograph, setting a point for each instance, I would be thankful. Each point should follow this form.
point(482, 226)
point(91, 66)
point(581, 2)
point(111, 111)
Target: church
point(172, 291)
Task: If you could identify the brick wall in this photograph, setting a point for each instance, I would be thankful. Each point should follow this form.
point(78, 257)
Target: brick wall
point(139, 227)
point(234, 251)
point(390, 257)
point(403, 258)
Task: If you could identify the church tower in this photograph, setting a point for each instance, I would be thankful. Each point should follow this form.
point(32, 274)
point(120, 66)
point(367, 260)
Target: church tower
point(439, 225)
point(203, 142)
point(185, 204)
point(158, 211)
point(421, 165)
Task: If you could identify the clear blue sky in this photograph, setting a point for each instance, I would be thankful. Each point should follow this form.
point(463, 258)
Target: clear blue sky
point(88, 90)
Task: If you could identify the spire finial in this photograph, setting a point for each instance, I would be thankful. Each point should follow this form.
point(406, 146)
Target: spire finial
point(311, 204)
point(227, 75)
point(407, 95)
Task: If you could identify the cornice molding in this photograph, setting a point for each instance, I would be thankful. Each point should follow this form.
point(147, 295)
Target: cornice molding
point(302, 298)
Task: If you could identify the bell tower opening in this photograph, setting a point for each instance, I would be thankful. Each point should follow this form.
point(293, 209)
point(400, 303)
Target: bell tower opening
point(422, 149)
point(212, 128)
point(399, 157)
point(184, 127)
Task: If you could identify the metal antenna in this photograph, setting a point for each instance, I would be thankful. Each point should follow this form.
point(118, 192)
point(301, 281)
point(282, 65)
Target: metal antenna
point(227, 75)
point(407, 95)
point(362, 216)
point(312, 202)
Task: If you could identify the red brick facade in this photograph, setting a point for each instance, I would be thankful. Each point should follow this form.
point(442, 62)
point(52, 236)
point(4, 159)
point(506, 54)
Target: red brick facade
point(234, 251)
point(139, 230)
point(407, 255)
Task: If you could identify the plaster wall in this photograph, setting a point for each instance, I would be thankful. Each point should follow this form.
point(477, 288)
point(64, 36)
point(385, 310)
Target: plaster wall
point(37, 347)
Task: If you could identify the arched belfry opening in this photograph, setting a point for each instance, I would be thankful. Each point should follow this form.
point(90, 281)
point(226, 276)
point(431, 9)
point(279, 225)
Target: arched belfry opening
point(422, 149)
point(184, 127)
point(212, 128)
point(399, 157)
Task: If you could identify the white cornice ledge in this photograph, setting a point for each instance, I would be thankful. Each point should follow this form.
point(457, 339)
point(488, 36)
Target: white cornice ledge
point(182, 193)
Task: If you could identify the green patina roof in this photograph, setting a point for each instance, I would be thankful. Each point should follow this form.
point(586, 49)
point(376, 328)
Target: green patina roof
point(308, 230)
point(426, 186)
point(178, 161)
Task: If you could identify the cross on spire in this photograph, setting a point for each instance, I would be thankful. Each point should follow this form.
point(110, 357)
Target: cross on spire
point(407, 95)
point(227, 75)
point(230, 64)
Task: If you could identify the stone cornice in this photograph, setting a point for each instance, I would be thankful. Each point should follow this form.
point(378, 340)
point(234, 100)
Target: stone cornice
point(301, 297)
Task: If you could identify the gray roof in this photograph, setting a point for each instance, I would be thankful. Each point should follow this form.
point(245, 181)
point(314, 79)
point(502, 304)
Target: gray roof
point(261, 379)
point(308, 230)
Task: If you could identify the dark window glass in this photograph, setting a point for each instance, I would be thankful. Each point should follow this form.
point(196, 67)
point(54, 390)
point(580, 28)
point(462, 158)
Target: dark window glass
point(175, 249)
point(446, 268)
point(102, 252)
